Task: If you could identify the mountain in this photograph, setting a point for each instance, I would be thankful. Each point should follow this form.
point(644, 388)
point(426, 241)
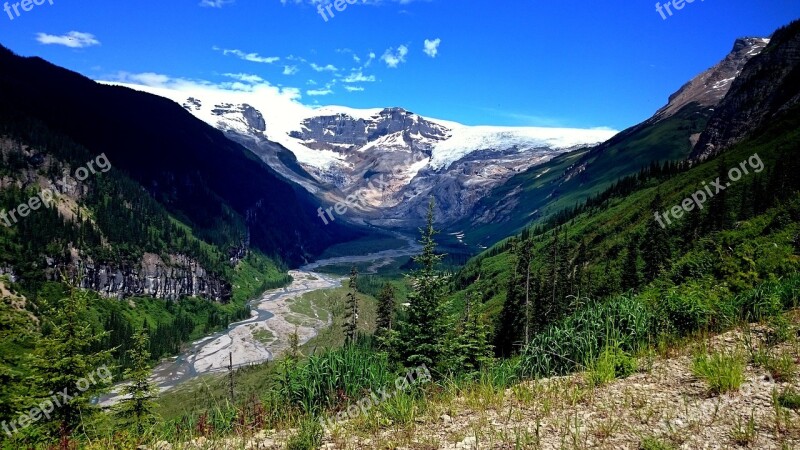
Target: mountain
point(710, 87)
point(591, 268)
point(216, 187)
point(391, 159)
point(571, 178)
point(766, 88)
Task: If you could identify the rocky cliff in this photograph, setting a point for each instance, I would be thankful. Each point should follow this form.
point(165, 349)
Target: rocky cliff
point(178, 277)
point(768, 86)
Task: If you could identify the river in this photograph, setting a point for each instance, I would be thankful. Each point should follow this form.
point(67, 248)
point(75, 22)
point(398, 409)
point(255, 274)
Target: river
point(265, 334)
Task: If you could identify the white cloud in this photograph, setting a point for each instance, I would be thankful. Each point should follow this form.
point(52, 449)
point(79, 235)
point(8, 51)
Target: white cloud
point(328, 68)
point(358, 77)
point(289, 70)
point(245, 77)
point(354, 88)
point(432, 47)
point(394, 59)
point(319, 92)
point(252, 57)
point(215, 3)
point(244, 83)
point(73, 39)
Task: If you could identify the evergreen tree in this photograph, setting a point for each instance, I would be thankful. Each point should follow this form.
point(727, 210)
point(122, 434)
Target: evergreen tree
point(385, 321)
point(17, 332)
point(656, 247)
point(293, 353)
point(469, 348)
point(66, 363)
point(351, 317)
point(137, 408)
point(630, 269)
point(422, 333)
point(515, 314)
point(719, 217)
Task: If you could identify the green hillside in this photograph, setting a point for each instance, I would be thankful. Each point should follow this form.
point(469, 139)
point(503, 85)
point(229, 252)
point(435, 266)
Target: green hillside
point(570, 178)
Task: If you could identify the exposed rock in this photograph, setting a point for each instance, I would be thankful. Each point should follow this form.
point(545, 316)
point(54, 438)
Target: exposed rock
point(153, 277)
point(768, 86)
point(710, 87)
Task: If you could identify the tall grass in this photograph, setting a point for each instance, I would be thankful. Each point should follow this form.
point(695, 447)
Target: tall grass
point(624, 322)
point(333, 379)
point(628, 322)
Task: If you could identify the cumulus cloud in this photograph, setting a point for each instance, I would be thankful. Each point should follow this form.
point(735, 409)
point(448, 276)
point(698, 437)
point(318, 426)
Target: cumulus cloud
point(432, 47)
point(394, 58)
point(73, 39)
point(289, 70)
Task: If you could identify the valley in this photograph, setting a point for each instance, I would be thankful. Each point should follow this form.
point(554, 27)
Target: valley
point(265, 335)
point(583, 243)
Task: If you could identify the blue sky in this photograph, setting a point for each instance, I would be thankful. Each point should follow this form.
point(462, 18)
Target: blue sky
point(572, 63)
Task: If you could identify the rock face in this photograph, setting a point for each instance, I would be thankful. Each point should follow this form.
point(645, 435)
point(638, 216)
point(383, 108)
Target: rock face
point(768, 86)
point(711, 86)
point(151, 277)
point(329, 131)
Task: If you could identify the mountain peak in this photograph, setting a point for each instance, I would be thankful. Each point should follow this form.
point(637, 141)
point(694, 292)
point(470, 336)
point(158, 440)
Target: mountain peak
point(711, 86)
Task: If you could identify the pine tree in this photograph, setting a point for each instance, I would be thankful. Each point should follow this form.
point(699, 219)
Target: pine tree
point(17, 331)
point(137, 408)
point(630, 270)
point(293, 353)
point(422, 333)
point(656, 247)
point(385, 321)
point(515, 314)
point(351, 317)
point(718, 208)
point(66, 363)
point(469, 348)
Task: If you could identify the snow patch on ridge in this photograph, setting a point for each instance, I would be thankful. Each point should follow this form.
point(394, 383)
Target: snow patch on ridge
point(282, 116)
point(467, 139)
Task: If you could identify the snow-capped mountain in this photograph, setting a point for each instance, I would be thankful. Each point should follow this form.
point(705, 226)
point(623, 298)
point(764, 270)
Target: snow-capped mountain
point(391, 159)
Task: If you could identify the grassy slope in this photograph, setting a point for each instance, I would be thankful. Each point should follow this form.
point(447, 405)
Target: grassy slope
point(547, 189)
point(607, 230)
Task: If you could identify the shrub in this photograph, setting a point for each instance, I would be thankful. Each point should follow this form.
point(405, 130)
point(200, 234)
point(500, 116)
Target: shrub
point(695, 306)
